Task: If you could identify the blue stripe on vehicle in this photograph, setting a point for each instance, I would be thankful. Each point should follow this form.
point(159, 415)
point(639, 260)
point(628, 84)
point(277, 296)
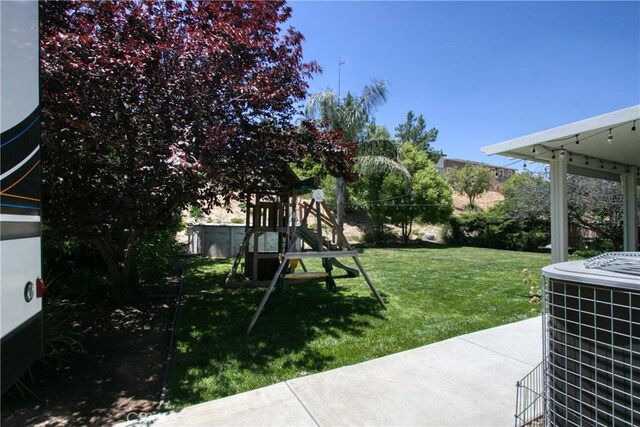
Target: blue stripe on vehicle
point(23, 131)
point(7, 205)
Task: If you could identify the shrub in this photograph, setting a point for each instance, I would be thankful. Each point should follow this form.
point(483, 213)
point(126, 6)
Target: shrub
point(452, 233)
point(155, 255)
point(196, 211)
point(493, 229)
point(374, 237)
point(596, 247)
point(71, 269)
point(587, 253)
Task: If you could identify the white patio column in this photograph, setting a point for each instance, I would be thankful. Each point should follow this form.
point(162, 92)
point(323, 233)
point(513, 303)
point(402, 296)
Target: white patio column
point(630, 210)
point(559, 217)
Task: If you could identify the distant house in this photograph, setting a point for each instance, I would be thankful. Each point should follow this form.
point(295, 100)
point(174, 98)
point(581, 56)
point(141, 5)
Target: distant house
point(500, 173)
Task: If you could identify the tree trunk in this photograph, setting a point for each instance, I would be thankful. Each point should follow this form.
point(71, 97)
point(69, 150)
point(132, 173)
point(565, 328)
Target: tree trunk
point(118, 289)
point(378, 226)
point(409, 228)
point(119, 261)
point(406, 222)
point(340, 194)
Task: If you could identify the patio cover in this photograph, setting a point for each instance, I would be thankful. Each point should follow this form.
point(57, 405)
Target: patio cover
point(605, 147)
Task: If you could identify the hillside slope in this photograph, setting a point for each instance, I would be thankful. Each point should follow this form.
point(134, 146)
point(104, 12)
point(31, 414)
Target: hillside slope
point(355, 223)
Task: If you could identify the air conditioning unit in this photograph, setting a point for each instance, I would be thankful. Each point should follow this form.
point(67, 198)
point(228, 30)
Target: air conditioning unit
point(592, 341)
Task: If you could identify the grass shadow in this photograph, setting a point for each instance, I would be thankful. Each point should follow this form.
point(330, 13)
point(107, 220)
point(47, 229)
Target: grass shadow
point(215, 357)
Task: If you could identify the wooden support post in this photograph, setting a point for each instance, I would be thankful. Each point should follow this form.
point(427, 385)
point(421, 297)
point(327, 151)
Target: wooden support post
point(248, 226)
point(305, 216)
point(247, 214)
point(266, 295)
point(342, 240)
point(293, 221)
point(319, 225)
point(256, 236)
point(366, 278)
point(281, 224)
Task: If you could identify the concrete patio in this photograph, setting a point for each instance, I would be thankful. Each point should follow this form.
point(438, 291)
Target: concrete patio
point(464, 381)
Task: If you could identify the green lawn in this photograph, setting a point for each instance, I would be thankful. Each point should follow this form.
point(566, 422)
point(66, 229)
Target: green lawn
point(431, 295)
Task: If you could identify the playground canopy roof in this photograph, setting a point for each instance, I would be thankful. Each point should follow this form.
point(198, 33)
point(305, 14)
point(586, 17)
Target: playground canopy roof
point(285, 181)
point(594, 155)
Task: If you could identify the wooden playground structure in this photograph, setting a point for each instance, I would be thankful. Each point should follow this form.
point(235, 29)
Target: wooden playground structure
point(279, 227)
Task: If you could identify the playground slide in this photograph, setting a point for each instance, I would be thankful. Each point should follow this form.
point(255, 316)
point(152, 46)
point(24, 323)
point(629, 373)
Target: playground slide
point(310, 239)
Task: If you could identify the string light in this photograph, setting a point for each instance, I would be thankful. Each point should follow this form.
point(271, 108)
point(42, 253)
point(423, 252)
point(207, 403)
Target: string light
point(564, 152)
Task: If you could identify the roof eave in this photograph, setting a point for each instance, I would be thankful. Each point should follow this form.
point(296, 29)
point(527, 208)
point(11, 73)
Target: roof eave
point(509, 147)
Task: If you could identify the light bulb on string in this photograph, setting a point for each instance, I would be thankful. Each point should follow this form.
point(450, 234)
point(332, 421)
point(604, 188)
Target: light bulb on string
point(610, 137)
point(577, 140)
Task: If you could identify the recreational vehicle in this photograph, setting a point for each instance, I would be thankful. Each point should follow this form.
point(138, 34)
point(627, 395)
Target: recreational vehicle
point(21, 286)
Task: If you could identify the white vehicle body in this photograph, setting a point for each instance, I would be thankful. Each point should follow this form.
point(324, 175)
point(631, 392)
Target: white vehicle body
point(20, 228)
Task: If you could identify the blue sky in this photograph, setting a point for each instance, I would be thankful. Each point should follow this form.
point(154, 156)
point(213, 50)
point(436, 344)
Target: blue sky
point(480, 72)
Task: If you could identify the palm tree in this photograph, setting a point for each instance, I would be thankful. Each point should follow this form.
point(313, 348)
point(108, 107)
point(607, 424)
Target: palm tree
point(375, 159)
point(380, 156)
point(351, 116)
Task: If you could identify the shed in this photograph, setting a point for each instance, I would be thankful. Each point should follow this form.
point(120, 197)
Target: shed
point(224, 240)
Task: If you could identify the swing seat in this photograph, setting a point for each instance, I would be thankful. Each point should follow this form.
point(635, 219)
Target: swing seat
point(305, 275)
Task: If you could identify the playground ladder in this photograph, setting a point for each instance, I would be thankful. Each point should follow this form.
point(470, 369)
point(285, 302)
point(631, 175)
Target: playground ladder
point(236, 262)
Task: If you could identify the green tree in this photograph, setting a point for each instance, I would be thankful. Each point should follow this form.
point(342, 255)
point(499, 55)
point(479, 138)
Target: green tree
point(375, 161)
point(150, 106)
point(471, 180)
point(593, 204)
point(379, 155)
point(373, 132)
point(350, 116)
point(414, 131)
point(427, 196)
point(526, 198)
point(597, 205)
